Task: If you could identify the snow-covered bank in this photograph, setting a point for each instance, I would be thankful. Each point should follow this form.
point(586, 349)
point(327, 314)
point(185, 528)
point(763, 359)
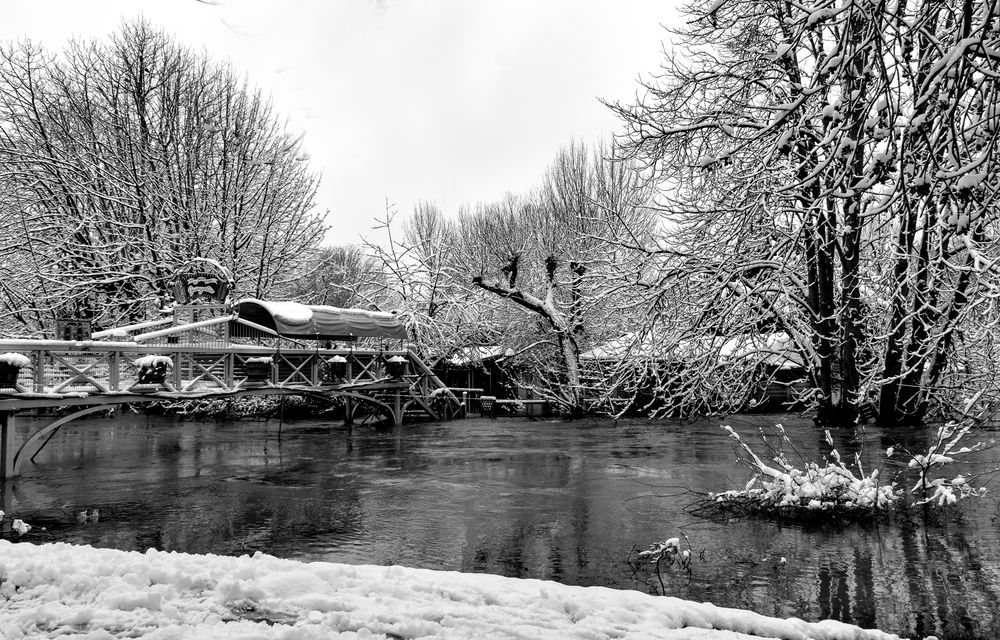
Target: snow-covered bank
point(64, 591)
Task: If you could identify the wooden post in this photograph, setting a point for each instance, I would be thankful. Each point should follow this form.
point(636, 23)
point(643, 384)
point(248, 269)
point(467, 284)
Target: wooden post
point(114, 371)
point(176, 373)
point(348, 411)
point(397, 411)
point(39, 372)
point(6, 445)
point(230, 366)
point(7, 496)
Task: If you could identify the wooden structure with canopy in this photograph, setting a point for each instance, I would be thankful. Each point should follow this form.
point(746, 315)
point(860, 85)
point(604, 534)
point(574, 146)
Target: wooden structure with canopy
point(206, 346)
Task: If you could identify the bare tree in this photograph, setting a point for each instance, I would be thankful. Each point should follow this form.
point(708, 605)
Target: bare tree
point(337, 276)
point(125, 158)
point(416, 276)
point(550, 254)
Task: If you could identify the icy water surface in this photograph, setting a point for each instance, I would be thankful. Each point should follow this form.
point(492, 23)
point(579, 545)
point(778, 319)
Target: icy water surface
point(566, 501)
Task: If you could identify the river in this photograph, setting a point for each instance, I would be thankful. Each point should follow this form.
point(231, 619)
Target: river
point(567, 501)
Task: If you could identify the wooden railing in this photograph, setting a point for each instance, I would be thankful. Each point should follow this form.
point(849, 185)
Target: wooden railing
point(60, 367)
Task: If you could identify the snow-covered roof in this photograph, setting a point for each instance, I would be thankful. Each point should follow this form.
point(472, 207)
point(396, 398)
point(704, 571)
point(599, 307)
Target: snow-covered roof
point(648, 347)
point(319, 322)
point(478, 353)
point(775, 349)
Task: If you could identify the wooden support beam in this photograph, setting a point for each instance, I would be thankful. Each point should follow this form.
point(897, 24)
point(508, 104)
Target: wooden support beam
point(129, 328)
point(142, 337)
point(6, 445)
point(33, 445)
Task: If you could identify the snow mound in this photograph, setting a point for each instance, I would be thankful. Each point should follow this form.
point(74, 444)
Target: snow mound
point(149, 362)
point(60, 590)
point(15, 359)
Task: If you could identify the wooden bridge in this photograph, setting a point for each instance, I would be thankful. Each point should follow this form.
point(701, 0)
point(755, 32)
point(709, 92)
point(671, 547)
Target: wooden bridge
point(203, 351)
point(91, 376)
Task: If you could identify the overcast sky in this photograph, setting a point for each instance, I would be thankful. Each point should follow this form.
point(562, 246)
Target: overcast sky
point(451, 101)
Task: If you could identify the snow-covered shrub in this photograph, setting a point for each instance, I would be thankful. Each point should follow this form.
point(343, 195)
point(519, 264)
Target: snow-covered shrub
point(667, 553)
point(15, 359)
point(246, 407)
point(943, 450)
point(837, 486)
point(260, 360)
point(832, 486)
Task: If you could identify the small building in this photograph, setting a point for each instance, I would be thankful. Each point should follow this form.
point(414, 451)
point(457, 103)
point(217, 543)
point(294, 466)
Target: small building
point(478, 368)
point(778, 374)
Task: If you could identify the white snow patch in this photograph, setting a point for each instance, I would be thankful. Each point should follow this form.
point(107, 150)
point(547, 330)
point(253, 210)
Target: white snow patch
point(970, 180)
point(478, 354)
point(50, 590)
point(149, 362)
point(782, 50)
point(291, 313)
point(714, 7)
point(15, 359)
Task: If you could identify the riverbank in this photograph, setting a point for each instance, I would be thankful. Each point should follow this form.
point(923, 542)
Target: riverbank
point(59, 590)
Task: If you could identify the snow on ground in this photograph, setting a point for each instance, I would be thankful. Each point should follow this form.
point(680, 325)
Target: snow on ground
point(65, 591)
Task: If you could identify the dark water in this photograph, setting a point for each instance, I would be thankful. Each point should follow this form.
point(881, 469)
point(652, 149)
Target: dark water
point(555, 500)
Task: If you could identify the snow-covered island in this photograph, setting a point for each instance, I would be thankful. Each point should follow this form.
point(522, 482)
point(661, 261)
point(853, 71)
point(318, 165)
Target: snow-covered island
point(59, 590)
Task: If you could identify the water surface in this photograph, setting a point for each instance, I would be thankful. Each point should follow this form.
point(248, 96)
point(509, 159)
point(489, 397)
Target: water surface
point(566, 501)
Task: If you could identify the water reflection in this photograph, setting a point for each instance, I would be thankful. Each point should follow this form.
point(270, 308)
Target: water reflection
point(564, 501)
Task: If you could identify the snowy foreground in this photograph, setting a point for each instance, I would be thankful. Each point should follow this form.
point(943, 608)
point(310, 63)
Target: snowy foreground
point(64, 591)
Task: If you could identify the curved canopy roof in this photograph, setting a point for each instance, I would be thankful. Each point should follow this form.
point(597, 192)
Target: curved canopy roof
point(319, 322)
